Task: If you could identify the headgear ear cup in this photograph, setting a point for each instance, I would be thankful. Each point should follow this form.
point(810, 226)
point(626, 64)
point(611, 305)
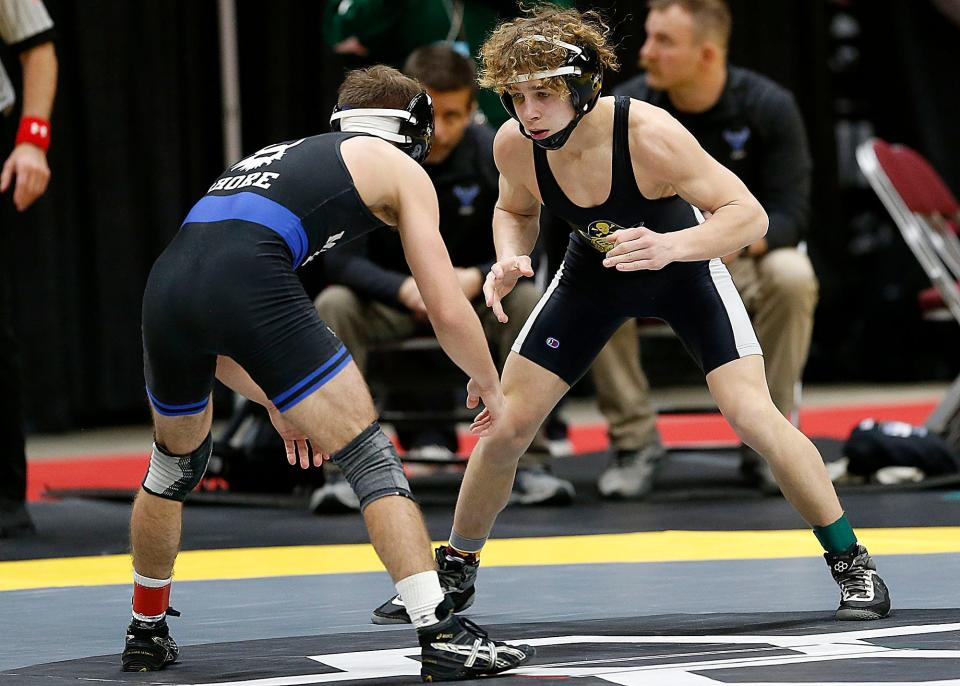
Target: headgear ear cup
point(414, 135)
point(419, 128)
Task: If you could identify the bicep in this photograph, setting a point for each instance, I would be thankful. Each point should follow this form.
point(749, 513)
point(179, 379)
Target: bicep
point(515, 198)
point(513, 194)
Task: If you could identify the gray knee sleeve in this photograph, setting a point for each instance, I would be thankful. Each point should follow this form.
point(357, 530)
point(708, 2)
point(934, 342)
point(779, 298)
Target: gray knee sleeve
point(174, 476)
point(371, 466)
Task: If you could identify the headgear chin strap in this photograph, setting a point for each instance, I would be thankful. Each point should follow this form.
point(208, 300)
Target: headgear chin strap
point(583, 74)
point(410, 129)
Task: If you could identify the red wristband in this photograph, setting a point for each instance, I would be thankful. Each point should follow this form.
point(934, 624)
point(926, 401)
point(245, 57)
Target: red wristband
point(35, 131)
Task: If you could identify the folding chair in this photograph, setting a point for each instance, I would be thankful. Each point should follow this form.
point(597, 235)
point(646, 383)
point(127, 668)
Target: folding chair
point(928, 216)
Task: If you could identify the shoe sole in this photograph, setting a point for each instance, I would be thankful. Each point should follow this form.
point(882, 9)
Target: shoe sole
point(851, 615)
point(138, 658)
point(138, 665)
point(383, 620)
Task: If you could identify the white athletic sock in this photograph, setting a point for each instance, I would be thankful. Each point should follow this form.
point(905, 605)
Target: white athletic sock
point(421, 593)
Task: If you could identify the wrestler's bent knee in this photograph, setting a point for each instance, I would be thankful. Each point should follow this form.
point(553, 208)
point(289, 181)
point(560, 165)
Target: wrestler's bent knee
point(371, 466)
point(174, 476)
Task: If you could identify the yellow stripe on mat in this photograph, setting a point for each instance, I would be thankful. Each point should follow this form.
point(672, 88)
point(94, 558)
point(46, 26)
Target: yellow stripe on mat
point(651, 546)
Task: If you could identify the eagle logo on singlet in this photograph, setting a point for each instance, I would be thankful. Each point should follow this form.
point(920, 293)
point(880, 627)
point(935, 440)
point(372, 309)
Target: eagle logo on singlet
point(596, 233)
point(265, 156)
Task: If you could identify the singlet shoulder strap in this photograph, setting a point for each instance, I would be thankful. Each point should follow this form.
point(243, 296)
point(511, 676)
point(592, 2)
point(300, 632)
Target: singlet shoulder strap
point(550, 191)
point(623, 178)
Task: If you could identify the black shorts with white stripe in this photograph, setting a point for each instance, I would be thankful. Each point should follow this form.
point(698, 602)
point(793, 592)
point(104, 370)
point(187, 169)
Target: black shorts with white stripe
point(587, 302)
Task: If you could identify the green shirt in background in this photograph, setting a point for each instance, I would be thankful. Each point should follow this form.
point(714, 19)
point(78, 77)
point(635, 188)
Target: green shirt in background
point(392, 29)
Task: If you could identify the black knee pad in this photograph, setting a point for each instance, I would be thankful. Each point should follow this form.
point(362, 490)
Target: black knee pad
point(370, 464)
point(174, 476)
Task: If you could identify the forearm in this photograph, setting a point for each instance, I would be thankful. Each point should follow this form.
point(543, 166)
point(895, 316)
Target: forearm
point(730, 229)
point(514, 234)
point(39, 80)
point(235, 377)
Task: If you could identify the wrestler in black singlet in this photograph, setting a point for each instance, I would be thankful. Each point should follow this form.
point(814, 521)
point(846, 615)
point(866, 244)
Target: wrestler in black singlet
point(587, 302)
point(226, 284)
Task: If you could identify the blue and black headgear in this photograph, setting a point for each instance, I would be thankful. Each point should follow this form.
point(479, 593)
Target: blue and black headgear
point(409, 129)
point(582, 71)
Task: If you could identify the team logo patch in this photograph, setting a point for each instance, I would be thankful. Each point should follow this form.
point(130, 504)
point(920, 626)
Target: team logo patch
point(466, 195)
point(265, 156)
point(596, 233)
point(737, 140)
point(553, 342)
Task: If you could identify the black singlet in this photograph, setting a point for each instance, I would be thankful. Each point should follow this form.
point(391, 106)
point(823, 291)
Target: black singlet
point(625, 207)
point(226, 284)
point(300, 189)
point(587, 302)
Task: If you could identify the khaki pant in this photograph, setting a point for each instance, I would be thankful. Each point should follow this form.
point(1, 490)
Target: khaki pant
point(360, 323)
point(780, 292)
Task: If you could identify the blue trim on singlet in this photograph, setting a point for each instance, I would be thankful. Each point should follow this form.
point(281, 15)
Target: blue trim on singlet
point(254, 208)
point(168, 410)
point(313, 380)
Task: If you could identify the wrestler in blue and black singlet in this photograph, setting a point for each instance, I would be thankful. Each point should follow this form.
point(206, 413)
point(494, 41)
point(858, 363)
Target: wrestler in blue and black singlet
point(587, 302)
point(226, 284)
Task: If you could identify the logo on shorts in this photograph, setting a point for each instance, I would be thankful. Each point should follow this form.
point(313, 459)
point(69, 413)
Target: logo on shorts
point(265, 156)
point(596, 233)
point(553, 342)
point(737, 140)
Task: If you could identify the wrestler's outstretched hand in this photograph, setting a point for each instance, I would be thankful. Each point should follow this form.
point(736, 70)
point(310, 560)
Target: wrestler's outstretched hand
point(493, 407)
point(501, 279)
point(296, 443)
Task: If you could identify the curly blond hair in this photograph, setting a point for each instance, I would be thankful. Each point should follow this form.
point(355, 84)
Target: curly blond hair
point(508, 52)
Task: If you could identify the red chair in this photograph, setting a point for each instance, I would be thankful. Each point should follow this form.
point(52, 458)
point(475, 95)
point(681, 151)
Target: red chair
point(928, 216)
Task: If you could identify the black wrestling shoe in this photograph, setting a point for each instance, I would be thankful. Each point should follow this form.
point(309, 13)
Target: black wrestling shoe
point(456, 649)
point(457, 579)
point(149, 646)
point(863, 595)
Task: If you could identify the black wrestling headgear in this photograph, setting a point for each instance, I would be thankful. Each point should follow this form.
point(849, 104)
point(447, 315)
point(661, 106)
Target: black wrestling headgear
point(583, 74)
point(410, 129)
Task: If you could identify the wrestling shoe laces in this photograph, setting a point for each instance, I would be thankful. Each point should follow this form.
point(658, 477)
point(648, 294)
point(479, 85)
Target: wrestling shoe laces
point(459, 649)
point(863, 594)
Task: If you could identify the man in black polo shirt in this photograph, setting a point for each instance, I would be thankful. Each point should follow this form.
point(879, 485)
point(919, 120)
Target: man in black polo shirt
point(376, 300)
point(752, 126)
